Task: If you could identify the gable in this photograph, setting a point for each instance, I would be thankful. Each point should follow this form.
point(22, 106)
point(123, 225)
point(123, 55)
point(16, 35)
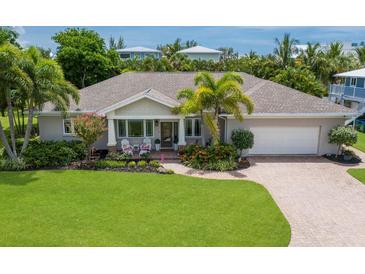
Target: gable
point(144, 106)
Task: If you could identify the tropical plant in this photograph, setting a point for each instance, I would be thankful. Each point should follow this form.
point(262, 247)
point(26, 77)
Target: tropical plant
point(11, 76)
point(360, 52)
point(48, 85)
point(340, 136)
point(89, 127)
point(285, 50)
point(213, 97)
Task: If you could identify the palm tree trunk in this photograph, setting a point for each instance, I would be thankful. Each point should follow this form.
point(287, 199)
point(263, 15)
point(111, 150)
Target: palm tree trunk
point(28, 131)
point(202, 128)
point(11, 123)
point(4, 140)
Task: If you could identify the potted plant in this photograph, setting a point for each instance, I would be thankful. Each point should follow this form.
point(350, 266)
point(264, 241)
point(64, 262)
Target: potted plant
point(347, 155)
point(157, 144)
point(176, 140)
point(242, 139)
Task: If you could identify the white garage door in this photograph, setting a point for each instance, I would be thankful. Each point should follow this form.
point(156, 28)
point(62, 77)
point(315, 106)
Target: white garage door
point(285, 140)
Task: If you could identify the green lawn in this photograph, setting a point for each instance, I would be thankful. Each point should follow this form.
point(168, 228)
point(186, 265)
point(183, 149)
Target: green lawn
point(360, 141)
point(358, 173)
point(96, 208)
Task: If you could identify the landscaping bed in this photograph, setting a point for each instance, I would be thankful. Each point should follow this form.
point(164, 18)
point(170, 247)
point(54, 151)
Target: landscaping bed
point(88, 208)
point(340, 159)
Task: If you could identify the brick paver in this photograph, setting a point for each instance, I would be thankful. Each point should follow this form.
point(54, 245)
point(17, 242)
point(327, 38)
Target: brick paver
point(324, 205)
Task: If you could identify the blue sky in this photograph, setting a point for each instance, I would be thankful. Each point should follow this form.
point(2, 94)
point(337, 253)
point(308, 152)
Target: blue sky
point(242, 39)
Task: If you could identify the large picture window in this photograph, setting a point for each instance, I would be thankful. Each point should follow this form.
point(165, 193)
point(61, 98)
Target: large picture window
point(135, 128)
point(193, 127)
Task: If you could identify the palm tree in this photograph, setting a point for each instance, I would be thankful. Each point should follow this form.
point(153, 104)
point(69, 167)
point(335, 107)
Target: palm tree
point(213, 97)
point(11, 76)
point(48, 85)
point(360, 52)
point(285, 50)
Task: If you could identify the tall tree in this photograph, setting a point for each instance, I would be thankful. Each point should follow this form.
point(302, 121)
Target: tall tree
point(83, 57)
point(360, 52)
point(213, 97)
point(228, 53)
point(11, 76)
point(170, 49)
point(284, 50)
point(120, 44)
point(8, 34)
point(48, 85)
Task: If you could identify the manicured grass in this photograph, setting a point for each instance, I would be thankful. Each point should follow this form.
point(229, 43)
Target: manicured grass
point(358, 173)
point(360, 144)
point(97, 208)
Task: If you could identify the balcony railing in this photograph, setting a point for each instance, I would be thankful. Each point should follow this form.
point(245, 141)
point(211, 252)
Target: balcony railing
point(346, 91)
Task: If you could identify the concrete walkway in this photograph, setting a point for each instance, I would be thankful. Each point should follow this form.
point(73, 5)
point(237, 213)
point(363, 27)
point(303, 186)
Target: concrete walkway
point(324, 205)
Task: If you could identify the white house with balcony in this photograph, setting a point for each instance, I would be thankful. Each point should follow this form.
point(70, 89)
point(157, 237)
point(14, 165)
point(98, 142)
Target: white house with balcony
point(139, 53)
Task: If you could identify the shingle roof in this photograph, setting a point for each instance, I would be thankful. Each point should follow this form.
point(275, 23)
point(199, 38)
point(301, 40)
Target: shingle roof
point(138, 49)
point(268, 97)
point(199, 49)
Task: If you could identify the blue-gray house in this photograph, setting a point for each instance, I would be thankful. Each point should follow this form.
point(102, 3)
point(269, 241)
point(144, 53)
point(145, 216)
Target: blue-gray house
point(349, 89)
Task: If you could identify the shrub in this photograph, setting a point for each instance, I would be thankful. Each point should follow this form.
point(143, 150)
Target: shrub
point(110, 164)
point(132, 164)
point(200, 157)
point(53, 153)
point(157, 141)
point(222, 165)
point(170, 171)
point(142, 164)
point(89, 127)
point(242, 139)
point(341, 135)
point(145, 155)
point(12, 165)
point(117, 156)
point(154, 163)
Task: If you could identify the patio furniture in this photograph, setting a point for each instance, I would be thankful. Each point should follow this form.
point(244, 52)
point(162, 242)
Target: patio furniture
point(126, 147)
point(145, 147)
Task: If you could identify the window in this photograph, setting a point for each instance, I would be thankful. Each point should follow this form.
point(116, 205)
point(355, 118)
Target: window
point(353, 82)
point(197, 127)
point(68, 127)
point(122, 130)
point(188, 127)
point(149, 128)
point(135, 128)
point(193, 127)
point(125, 55)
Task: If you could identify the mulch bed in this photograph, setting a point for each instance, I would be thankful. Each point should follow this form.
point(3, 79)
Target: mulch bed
point(340, 159)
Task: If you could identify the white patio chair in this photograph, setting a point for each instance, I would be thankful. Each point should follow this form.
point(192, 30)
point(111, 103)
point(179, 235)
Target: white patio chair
point(145, 147)
point(126, 147)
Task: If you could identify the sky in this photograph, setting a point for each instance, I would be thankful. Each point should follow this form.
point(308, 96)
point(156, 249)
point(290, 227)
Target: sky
point(242, 39)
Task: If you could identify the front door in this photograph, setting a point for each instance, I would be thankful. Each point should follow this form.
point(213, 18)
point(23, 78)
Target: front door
point(166, 134)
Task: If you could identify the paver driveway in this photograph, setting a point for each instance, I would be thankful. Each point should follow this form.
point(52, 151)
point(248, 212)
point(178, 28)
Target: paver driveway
point(324, 205)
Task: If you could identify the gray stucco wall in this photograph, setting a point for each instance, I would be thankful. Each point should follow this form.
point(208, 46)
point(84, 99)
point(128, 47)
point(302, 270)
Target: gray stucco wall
point(325, 124)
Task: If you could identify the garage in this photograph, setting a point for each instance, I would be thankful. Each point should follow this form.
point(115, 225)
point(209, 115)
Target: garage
point(285, 140)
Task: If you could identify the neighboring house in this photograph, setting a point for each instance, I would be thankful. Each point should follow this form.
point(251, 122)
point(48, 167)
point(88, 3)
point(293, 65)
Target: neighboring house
point(139, 53)
point(201, 53)
point(138, 105)
point(349, 90)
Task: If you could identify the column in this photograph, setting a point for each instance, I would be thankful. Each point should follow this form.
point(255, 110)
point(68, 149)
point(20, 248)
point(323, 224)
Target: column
point(182, 132)
point(112, 142)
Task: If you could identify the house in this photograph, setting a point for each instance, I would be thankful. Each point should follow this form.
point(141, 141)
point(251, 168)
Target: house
point(138, 105)
point(139, 53)
point(201, 53)
point(349, 89)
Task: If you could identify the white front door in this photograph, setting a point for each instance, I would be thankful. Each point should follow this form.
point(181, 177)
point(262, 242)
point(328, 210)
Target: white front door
point(285, 140)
